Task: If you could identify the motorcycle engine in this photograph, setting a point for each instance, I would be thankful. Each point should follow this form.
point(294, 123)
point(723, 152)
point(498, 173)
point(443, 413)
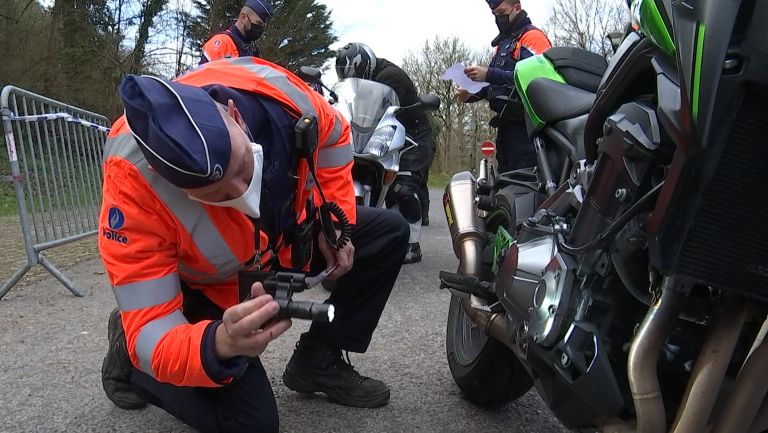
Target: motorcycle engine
point(535, 280)
point(569, 315)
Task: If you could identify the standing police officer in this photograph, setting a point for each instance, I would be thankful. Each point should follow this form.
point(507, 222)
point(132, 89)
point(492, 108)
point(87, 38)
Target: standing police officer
point(358, 60)
point(236, 40)
point(518, 39)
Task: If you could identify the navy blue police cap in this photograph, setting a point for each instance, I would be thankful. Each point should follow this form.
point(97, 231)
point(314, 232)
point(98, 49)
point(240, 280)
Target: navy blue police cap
point(494, 3)
point(179, 129)
point(261, 7)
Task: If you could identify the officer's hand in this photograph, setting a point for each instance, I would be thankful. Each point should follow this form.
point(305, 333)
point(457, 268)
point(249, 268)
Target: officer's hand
point(239, 334)
point(344, 258)
point(463, 95)
point(477, 73)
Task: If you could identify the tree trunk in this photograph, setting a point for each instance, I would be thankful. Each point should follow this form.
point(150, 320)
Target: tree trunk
point(182, 22)
point(149, 12)
point(119, 36)
point(53, 37)
point(446, 150)
point(213, 19)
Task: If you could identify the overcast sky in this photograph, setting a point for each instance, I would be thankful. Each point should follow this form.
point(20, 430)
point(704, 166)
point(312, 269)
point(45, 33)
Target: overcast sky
point(393, 27)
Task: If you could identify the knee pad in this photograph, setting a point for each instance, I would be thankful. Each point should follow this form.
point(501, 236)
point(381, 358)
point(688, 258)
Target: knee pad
point(404, 191)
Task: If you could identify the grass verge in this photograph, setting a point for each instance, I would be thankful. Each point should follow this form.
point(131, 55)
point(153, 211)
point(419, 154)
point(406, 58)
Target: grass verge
point(438, 180)
point(8, 204)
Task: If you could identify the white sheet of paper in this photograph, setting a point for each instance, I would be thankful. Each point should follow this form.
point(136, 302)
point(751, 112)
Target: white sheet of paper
point(457, 75)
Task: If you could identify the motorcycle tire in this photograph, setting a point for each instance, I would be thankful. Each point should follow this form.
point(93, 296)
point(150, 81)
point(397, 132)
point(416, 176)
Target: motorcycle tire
point(488, 372)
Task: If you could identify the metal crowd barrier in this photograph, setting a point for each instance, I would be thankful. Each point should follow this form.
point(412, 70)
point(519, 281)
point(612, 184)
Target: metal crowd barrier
point(55, 153)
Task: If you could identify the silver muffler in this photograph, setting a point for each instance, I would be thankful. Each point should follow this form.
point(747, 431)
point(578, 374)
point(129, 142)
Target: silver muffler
point(466, 227)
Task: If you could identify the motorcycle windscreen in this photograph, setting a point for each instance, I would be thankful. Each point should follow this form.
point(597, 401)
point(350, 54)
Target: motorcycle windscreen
point(364, 103)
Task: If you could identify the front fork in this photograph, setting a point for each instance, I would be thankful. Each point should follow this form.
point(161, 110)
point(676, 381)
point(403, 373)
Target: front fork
point(363, 193)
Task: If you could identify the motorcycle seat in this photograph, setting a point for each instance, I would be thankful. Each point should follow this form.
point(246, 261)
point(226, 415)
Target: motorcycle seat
point(579, 67)
point(553, 101)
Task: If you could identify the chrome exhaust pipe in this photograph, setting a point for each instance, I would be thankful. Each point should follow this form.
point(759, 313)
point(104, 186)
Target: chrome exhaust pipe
point(494, 324)
point(710, 368)
point(643, 356)
point(747, 395)
point(466, 227)
point(760, 423)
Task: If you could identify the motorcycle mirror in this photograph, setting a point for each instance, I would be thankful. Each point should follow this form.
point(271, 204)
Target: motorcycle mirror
point(430, 102)
point(333, 95)
point(310, 74)
point(614, 40)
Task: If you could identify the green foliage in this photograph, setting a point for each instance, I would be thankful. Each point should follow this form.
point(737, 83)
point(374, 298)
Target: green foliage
point(300, 34)
point(78, 51)
point(438, 180)
point(7, 197)
point(212, 16)
point(24, 27)
point(79, 74)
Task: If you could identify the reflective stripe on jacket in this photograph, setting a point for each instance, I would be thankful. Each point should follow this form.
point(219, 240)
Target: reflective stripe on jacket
point(152, 236)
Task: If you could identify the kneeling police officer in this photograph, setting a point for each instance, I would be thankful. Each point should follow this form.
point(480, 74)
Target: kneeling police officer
point(204, 179)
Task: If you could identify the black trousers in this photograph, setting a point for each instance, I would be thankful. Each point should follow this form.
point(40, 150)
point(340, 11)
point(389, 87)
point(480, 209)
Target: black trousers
point(409, 190)
point(380, 238)
point(514, 148)
point(424, 188)
point(246, 405)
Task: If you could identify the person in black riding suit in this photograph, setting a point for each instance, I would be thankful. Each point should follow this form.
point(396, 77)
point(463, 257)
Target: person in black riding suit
point(409, 190)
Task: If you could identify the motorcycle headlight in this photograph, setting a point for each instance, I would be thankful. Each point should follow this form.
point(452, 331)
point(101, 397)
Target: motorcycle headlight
point(379, 142)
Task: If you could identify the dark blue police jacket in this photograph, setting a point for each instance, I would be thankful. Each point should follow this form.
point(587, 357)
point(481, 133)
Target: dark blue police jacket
point(270, 126)
point(501, 70)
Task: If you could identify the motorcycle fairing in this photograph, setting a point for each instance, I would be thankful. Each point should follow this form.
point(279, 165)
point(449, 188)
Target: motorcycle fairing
point(649, 17)
point(527, 70)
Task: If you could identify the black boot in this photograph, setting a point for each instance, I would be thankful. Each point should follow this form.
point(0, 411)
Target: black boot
point(414, 254)
point(116, 368)
point(318, 368)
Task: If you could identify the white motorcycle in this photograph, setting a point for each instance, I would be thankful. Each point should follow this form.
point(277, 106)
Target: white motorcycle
point(378, 138)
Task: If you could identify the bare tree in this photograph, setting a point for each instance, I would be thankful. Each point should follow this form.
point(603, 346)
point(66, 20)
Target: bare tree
point(585, 23)
point(459, 127)
point(181, 38)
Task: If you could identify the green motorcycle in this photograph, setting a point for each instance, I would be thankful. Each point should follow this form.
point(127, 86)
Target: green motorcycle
point(626, 275)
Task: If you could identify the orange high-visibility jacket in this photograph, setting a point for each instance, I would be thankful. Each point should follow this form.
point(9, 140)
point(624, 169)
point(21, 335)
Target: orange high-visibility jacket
point(152, 236)
point(220, 46)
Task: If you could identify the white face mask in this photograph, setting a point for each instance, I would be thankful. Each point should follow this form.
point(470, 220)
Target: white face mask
point(248, 203)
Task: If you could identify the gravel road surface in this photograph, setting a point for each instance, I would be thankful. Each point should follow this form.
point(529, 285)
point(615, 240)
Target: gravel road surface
point(52, 345)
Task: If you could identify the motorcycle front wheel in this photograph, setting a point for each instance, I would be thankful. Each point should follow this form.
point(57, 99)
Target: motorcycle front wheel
point(485, 370)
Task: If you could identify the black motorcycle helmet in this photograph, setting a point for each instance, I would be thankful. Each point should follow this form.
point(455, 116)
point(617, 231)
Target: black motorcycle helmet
point(355, 60)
